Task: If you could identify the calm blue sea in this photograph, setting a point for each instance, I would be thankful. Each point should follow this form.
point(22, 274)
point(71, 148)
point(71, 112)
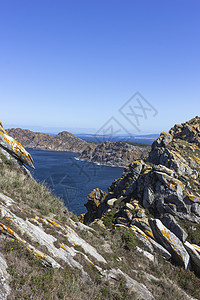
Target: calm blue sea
point(71, 179)
point(146, 139)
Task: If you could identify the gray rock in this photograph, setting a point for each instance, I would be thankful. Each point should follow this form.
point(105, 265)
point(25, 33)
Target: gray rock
point(130, 206)
point(111, 202)
point(194, 252)
point(130, 284)
point(141, 223)
point(179, 192)
point(148, 197)
point(180, 205)
point(163, 177)
point(147, 254)
point(170, 242)
point(171, 223)
point(15, 148)
point(195, 208)
point(163, 169)
point(150, 243)
point(4, 279)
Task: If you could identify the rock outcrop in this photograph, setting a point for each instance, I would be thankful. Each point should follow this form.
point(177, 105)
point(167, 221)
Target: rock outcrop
point(170, 242)
point(194, 252)
point(157, 195)
point(12, 149)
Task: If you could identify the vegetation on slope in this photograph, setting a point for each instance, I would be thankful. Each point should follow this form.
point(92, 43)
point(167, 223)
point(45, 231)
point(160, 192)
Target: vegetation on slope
point(29, 279)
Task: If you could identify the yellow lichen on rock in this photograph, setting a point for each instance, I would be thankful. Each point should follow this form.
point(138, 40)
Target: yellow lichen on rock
point(12, 145)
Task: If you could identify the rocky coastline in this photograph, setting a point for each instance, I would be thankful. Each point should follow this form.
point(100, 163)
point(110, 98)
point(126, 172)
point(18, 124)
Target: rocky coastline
point(107, 153)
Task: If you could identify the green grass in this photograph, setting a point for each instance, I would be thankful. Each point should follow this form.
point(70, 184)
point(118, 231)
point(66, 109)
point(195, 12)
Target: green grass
point(108, 219)
point(129, 239)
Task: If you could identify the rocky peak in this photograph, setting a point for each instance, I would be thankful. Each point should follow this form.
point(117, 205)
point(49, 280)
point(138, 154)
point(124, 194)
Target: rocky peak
point(65, 136)
point(178, 149)
point(188, 131)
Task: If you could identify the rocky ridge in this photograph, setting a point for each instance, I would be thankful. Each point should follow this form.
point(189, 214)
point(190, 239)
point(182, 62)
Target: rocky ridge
point(115, 153)
point(158, 198)
point(63, 141)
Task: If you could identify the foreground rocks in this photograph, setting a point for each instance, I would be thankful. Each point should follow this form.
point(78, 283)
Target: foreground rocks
point(35, 230)
point(170, 242)
point(194, 252)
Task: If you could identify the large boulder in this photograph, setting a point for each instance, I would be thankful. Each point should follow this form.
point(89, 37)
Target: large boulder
point(194, 252)
point(150, 243)
point(170, 242)
point(96, 205)
point(171, 223)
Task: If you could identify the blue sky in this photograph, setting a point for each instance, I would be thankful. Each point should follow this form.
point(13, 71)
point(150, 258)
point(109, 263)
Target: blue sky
point(73, 64)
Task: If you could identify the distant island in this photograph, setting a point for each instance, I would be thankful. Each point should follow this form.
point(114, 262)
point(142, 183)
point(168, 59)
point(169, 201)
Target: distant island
point(108, 153)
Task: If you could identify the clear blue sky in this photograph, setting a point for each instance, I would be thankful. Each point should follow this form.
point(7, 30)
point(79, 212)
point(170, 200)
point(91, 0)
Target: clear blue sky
point(73, 64)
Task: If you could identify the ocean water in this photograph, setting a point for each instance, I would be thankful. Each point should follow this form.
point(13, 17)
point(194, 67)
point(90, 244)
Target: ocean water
point(148, 139)
point(71, 179)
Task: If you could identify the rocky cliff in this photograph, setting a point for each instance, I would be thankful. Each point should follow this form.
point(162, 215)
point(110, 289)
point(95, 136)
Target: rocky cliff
point(46, 253)
point(159, 198)
point(115, 153)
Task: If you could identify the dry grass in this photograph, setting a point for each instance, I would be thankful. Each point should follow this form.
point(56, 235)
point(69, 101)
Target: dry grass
point(28, 193)
point(30, 280)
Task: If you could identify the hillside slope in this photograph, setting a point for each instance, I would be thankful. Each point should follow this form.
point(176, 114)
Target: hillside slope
point(46, 253)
